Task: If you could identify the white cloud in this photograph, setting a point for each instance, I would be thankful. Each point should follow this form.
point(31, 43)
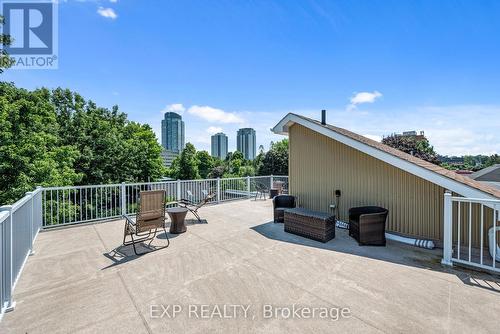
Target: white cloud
point(113, 1)
point(175, 107)
point(452, 130)
point(107, 13)
point(459, 130)
point(214, 115)
point(363, 97)
point(374, 137)
point(213, 130)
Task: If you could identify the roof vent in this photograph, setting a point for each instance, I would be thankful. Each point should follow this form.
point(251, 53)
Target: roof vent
point(323, 117)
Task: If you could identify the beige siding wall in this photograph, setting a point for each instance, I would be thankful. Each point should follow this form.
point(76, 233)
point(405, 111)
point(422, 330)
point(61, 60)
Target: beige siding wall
point(320, 165)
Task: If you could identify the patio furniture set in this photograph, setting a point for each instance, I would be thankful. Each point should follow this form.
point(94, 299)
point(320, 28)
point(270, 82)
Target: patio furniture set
point(366, 224)
point(150, 218)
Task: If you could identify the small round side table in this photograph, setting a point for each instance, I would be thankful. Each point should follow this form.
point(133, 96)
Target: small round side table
point(177, 215)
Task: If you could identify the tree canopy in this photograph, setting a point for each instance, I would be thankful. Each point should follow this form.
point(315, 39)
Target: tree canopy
point(470, 162)
point(419, 148)
point(57, 138)
point(205, 163)
point(274, 161)
point(185, 166)
point(5, 40)
point(202, 165)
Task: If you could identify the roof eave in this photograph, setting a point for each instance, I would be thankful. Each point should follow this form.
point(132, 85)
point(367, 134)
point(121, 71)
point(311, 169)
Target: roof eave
point(283, 126)
point(458, 187)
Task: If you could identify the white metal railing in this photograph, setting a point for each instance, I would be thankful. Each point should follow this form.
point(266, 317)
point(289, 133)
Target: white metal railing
point(58, 206)
point(471, 228)
point(19, 226)
point(83, 204)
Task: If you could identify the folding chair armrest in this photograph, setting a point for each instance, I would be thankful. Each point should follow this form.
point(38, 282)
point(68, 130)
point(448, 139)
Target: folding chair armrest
point(128, 220)
point(186, 201)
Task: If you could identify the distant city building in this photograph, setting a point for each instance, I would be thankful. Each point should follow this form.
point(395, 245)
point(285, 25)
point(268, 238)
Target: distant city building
point(219, 145)
point(409, 133)
point(453, 160)
point(172, 132)
point(168, 157)
point(245, 143)
point(418, 136)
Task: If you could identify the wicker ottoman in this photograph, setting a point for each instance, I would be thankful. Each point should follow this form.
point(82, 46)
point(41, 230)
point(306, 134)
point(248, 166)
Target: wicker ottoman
point(310, 224)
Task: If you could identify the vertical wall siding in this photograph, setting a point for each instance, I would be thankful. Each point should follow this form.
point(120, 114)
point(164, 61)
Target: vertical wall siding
point(320, 165)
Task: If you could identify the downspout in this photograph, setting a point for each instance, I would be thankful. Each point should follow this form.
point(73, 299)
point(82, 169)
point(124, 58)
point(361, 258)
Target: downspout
point(427, 244)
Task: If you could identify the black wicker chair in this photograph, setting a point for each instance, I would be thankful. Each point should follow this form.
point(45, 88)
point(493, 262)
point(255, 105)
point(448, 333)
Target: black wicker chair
point(280, 203)
point(367, 225)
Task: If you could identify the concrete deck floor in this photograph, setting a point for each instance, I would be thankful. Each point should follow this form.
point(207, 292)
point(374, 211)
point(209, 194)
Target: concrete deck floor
point(81, 281)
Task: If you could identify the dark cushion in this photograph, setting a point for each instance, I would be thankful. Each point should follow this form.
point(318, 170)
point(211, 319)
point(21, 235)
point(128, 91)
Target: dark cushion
point(354, 213)
point(284, 201)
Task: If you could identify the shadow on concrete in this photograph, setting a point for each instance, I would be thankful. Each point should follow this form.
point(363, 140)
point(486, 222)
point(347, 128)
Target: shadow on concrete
point(194, 221)
point(123, 254)
point(394, 252)
point(481, 280)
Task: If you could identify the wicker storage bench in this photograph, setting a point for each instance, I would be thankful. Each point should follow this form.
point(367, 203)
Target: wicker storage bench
point(310, 224)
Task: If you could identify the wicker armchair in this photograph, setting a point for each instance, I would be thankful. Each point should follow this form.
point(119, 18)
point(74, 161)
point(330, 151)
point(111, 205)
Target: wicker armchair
point(367, 225)
point(280, 203)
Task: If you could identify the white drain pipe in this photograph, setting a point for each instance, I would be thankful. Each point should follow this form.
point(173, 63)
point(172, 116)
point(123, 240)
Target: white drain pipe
point(428, 244)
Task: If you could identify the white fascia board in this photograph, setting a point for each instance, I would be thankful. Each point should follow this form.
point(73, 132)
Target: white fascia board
point(424, 173)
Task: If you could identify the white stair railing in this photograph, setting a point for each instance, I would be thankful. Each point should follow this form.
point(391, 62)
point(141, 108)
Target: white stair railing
point(470, 232)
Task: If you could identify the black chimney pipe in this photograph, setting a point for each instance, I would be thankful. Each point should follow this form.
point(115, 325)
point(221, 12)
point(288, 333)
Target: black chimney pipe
point(323, 117)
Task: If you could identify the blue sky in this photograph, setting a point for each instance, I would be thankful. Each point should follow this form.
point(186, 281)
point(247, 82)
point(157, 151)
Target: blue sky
point(377, 66)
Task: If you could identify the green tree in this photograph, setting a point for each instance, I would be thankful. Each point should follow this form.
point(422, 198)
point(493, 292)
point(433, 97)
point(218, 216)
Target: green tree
point(188, 165)
point(419, 148)
point(217, 171)
point(246, 171)
point(5, 40)
point(205, 163)
point(257, 162)
point(140, 144)
point(235, 163)
point(275, 161)
point(492, 160)
point(31, 152)
point(56, 138)
point(469, 162)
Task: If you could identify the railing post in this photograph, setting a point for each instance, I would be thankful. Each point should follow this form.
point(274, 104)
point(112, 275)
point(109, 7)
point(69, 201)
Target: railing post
point(30, 194)
point(8, 275)
point(178, 190)
point(248, 186)
point(218, 189)
point(447, 231)
point(40, 212)
point(123, 199)
point(271, 181)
